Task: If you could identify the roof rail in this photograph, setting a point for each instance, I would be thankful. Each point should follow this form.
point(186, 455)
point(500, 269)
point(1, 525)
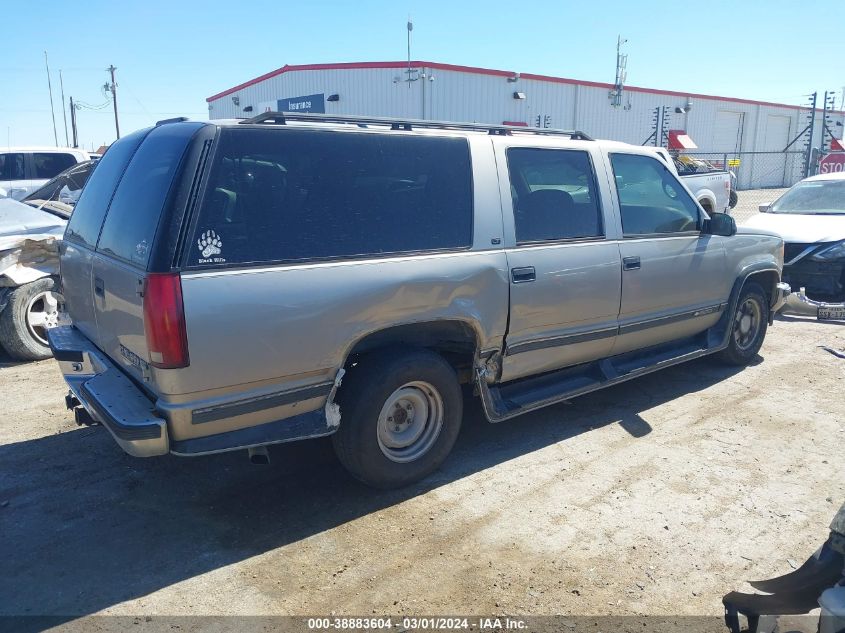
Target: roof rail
point(177, 119)
point(280, 118)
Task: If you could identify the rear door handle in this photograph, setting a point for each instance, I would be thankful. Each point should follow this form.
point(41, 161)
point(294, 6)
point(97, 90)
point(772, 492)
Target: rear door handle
point(99, 287)
point(631, 263)
point(523, 274)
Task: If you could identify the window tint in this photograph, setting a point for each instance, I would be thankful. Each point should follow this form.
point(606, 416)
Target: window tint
point(133, 215)
point(287, 195)
point(554, 195)
point(90, 209)
point(11, 167)
point(651, 198)
point(50, 164)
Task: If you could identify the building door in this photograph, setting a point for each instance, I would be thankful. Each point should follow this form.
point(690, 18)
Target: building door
point(770, 169)
point(727, 132)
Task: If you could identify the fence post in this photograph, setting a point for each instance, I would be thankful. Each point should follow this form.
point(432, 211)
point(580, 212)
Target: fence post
point(812, 126)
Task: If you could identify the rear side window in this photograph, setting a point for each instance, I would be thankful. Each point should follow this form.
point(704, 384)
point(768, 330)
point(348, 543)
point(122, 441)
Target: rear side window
point(293, 195)
point(554, 195)
point(88, 214)
point(135, 210)
point(11, 167)
point(46, 165)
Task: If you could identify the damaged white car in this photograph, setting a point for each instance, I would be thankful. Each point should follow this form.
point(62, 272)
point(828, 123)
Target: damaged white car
point(29, 267)
point(30, 233)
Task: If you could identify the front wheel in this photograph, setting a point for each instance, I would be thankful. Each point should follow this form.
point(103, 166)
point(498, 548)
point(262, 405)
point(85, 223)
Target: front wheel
point(748, 326)
point(400, 413)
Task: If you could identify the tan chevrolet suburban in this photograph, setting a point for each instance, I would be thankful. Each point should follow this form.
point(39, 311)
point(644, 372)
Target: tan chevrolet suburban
point(237, 284)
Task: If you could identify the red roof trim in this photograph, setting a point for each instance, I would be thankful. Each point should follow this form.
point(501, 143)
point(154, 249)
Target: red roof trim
point(489, 71)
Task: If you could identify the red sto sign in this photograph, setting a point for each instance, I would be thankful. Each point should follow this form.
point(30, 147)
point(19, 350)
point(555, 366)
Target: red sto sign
point(832, 163)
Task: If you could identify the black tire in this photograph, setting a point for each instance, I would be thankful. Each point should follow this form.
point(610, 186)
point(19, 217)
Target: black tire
point(743, 346)
point(734, 198)
point(367, 391)
point(15, 334)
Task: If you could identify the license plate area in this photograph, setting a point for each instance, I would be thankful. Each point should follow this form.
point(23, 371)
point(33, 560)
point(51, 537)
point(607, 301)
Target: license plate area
point(832, 313)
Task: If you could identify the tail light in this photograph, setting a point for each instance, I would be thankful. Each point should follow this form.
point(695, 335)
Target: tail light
point(164, 321)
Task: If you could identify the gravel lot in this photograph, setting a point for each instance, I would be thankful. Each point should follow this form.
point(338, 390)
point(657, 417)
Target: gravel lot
point(653, 497)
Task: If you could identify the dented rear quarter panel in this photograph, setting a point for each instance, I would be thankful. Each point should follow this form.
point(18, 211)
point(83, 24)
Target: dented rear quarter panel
point(293, 321)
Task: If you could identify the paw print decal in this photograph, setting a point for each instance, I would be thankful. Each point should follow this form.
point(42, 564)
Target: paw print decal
point(210, 244)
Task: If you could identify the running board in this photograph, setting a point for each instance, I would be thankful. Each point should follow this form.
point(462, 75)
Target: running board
point(508, 400)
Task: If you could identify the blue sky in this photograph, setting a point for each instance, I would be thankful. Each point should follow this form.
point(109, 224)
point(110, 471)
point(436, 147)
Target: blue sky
point(171, 55)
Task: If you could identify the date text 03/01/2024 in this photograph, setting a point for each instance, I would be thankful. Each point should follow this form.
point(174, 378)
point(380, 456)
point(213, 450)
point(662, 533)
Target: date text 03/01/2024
point(415, 623)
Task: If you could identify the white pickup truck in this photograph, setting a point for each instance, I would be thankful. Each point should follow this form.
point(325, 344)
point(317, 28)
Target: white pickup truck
point(712, 189)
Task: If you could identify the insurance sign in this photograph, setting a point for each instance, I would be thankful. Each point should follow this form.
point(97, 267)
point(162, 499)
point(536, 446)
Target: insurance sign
point(308, 103)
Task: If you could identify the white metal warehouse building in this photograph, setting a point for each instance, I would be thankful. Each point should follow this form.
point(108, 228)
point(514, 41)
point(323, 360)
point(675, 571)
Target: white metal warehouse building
point(447, 92)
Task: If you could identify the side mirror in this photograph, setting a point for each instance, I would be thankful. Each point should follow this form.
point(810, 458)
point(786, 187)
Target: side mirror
point(764, 208)
point(720, 224)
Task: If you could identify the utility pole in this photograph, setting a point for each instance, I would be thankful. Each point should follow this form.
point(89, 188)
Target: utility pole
point(64, 105)
point(52, 109)
point(113, 88)
point(73, 122)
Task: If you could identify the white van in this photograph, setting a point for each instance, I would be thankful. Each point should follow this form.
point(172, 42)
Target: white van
point(24, 169)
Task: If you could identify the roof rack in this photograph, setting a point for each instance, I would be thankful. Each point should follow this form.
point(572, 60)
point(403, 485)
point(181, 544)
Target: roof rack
point(280, 118)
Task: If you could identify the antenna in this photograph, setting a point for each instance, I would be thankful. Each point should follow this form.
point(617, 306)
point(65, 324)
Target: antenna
point(64, 107)
point(621, 74)
point(52, 109)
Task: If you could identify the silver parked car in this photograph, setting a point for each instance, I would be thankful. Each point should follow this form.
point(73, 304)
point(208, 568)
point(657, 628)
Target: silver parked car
point(810, 217)
point(237, 284)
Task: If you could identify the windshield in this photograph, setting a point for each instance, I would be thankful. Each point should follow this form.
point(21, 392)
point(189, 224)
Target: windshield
point(814, 197)
point(65, 187)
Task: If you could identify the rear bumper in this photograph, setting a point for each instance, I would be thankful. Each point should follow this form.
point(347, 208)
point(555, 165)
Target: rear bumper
point(138, 425)
point(108, 394)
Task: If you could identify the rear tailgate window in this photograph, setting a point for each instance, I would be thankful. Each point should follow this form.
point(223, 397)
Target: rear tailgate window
point(88, 214)
point(135, 210)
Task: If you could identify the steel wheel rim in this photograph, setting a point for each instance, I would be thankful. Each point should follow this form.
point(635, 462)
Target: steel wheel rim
point(42, 313)
point(747, 324)
point(410, 422)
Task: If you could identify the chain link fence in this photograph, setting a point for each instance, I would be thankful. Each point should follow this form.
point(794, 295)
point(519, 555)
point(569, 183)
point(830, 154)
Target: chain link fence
point(757, 177)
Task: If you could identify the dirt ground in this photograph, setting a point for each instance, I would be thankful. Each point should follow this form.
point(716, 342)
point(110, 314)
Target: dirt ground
point(653, 497)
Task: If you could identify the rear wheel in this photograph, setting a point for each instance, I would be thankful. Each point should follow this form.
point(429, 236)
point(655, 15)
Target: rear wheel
point(400, 414)
point(734, 198)
point(748, 326)
point(32, 309)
